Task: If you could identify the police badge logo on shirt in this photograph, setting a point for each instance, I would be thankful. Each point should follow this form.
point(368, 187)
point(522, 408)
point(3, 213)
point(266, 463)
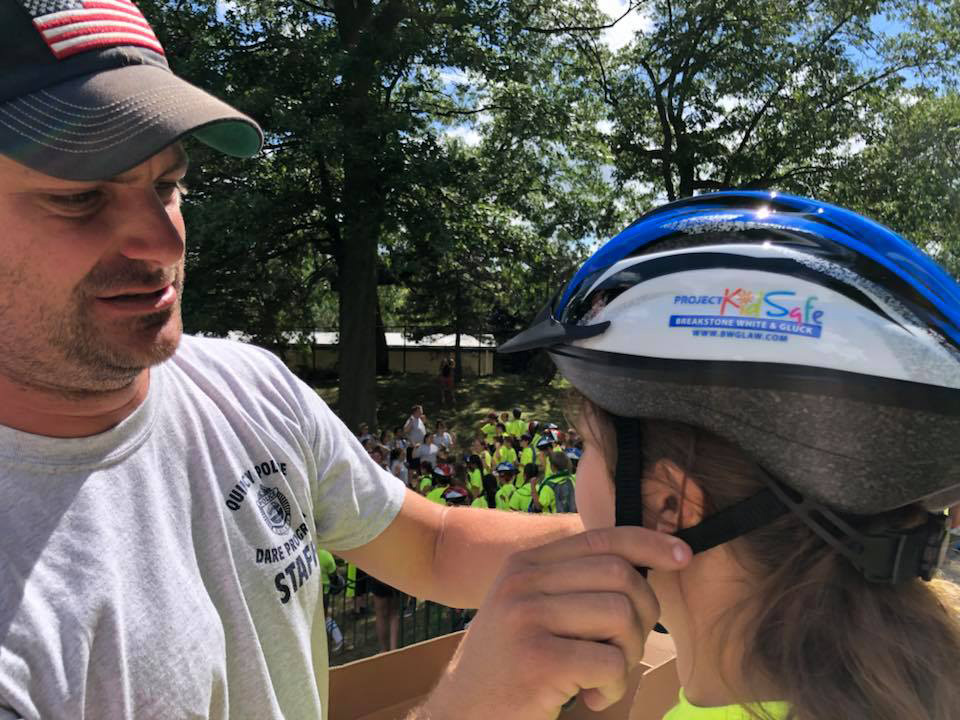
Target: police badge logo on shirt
point(275, 509)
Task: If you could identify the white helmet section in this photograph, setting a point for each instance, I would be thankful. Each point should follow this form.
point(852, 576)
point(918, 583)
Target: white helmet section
point(756, 316)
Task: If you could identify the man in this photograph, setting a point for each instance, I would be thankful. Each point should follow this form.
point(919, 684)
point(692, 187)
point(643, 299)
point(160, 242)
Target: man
point(165, 496)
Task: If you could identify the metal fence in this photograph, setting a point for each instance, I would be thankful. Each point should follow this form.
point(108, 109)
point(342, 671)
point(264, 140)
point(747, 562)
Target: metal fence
point(353, 613)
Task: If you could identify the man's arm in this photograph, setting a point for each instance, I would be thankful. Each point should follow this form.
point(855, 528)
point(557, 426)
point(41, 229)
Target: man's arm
point(421, 551)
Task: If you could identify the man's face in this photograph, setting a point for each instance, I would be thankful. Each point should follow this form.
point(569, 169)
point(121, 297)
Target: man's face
point(91, 274)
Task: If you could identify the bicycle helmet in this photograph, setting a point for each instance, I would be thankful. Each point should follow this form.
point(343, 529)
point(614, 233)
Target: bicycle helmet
point(820, 342)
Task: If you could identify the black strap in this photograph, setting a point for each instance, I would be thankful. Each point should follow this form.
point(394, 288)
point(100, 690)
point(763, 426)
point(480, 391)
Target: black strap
point(629, 473)
point(884, 556)
point(732, 522)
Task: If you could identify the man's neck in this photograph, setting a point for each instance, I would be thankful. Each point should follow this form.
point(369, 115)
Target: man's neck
point(62, 415)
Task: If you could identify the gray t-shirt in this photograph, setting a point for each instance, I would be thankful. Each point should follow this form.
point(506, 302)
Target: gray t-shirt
point(167, 568)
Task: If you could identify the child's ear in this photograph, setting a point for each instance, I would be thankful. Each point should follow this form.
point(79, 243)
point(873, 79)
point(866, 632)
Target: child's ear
point(672, 499)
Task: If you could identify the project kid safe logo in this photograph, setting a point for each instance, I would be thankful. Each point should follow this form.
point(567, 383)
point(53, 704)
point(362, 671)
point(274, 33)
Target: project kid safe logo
point(747, 314)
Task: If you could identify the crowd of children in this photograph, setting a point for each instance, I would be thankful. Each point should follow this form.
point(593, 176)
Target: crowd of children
point(507, 462)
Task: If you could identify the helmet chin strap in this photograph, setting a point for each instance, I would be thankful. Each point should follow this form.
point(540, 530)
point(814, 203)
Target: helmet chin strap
point(882, 556)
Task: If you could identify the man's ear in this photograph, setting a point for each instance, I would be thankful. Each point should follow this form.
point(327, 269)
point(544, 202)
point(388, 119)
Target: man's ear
point(672, 499)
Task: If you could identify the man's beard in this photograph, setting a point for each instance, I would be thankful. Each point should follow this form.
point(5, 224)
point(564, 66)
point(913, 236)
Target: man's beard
point(74, 355)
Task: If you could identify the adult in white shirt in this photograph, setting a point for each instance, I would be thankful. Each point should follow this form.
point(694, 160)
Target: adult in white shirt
point(414, 428)
point(150, 477)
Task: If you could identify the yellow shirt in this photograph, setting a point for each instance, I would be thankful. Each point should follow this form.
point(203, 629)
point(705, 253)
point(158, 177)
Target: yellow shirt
point(520, 500)
point(506, 454)
point(683, 710)
point(436, 495)
point(490, 430)
point(526, 456)
point(475, 480)
point(503, 496)
point(516, 428)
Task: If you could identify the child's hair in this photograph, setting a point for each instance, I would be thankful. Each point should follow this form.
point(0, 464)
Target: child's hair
point(530, 470)
point(490, 489)
point(425, 467)
point(396, 454)
point(834, 644)
point(560, 461)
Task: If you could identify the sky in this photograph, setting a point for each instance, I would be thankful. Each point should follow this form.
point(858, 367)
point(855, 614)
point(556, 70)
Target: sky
point(622, 33)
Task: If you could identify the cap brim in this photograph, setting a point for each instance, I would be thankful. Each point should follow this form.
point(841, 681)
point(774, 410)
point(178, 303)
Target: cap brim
point(98, 126)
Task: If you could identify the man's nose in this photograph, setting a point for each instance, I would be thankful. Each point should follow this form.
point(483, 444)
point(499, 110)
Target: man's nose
point(152, 231)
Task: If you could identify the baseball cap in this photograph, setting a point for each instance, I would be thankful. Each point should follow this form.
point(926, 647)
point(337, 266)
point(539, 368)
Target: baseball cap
point(86, 92)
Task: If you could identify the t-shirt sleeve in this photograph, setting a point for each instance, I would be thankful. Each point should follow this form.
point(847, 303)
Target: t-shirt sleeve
point(354, 498)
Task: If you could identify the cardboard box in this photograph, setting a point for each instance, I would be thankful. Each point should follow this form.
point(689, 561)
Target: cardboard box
point(402, 678)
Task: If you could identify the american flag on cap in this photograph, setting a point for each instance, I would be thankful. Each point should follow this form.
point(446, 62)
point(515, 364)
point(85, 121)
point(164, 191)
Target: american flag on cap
point(69, 27)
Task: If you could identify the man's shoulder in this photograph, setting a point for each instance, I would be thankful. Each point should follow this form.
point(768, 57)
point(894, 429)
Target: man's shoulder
point(233, 361)
point(226, 370)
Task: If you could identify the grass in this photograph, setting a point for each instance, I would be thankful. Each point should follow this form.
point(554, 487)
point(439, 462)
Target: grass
point(397, 393)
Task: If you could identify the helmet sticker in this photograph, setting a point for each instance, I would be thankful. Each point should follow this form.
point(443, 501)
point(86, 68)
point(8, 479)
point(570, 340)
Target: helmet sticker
point(750, 314)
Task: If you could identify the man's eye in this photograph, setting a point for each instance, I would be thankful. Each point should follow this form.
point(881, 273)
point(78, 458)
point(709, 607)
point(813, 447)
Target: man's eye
point(169, 189)
point(77, 201)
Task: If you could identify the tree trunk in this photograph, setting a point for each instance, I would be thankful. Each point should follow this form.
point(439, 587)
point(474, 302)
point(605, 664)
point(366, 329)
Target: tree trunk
point(383, 352)
point(458, 354)
point(358, 320)
point(362, 205)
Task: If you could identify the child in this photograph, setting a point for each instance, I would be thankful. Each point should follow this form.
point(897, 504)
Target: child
point(427, 450)
point(457, 493)
point(777, 381)
point(398, 465)
point(505, 452)
point(441, 437)
point(527, 454)
point(441, 481)
point(474, 475)
point(562, 482)
point(532, 496)
point(426, 477)
point(505, 475)
point(488, 498)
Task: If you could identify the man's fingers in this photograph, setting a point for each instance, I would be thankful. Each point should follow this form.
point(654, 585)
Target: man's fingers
point(639, 546)
point(591, 666)
point(601, 617)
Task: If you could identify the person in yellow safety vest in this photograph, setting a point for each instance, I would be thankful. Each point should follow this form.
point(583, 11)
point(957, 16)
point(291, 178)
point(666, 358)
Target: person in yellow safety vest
point(505, 451)
point(533, 430)
point(426, 477)
point(457, 493)
point(474, 475)
point(527, 454)
point(532, 495)
point(544, 447)
point(441, 481)
point(488, 498)
point(505, 474)
point(489, 428)
point(516, 427)
point(562, 483)
point(328, 568)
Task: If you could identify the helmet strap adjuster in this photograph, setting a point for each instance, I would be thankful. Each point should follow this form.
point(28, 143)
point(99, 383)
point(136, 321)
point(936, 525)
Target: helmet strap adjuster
point(889, 556)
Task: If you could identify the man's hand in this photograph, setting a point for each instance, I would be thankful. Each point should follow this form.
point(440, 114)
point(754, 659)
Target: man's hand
point(566, 618)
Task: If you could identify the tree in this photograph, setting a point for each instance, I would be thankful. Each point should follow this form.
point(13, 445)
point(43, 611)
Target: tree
point(908, 177)
point(759, 93)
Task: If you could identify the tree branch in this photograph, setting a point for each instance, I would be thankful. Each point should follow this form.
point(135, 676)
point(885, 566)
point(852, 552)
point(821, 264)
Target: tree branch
point(579, 28)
